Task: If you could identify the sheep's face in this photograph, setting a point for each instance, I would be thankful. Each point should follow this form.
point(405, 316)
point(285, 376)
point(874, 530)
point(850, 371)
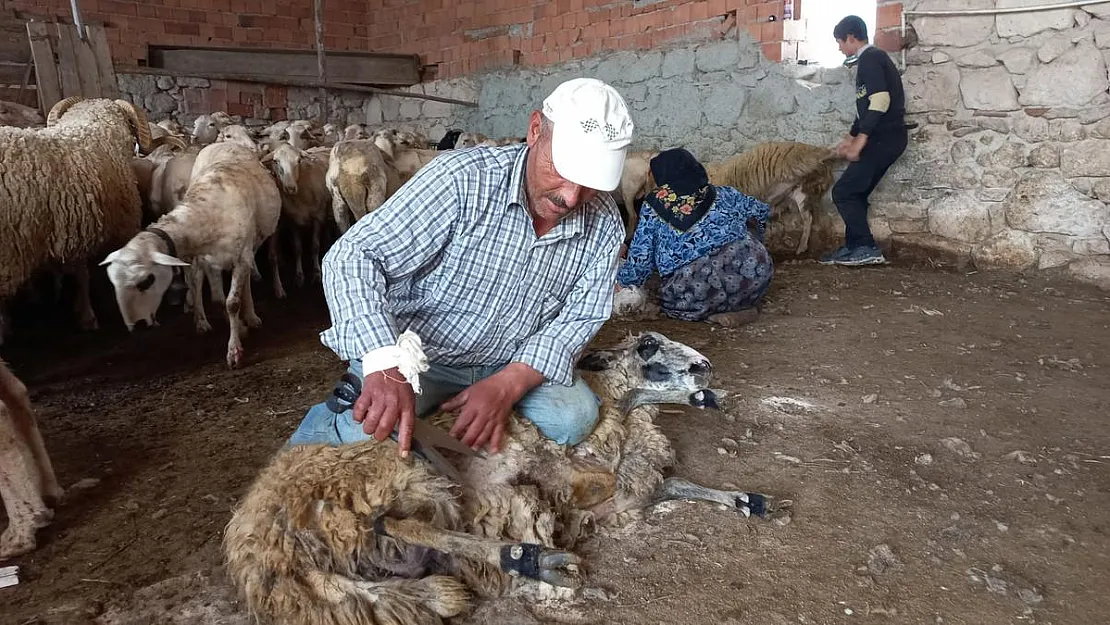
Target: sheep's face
point(140, 276)
point(286, 163)
point(469, 140)
point(205, 130)
point(237, 134)
point(654, 362)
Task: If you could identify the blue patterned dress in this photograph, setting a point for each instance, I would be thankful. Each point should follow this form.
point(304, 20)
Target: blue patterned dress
point(715, 266)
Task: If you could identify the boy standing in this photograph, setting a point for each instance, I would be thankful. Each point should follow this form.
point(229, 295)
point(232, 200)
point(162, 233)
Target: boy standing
point(877, 138)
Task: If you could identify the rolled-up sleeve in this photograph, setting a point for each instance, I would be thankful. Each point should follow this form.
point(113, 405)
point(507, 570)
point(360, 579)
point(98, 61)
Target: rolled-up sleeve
point(386, 248)
point(554, 349)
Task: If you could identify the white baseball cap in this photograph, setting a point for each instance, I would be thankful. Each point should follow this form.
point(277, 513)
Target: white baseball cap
point(591, 132)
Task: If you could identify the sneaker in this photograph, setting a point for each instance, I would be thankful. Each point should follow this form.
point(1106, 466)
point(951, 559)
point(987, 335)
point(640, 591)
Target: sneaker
point(855, 257)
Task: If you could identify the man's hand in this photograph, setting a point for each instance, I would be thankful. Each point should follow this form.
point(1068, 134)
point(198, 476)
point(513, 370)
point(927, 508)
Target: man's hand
point(852, 150)
point(485, 405)
point(386, 400)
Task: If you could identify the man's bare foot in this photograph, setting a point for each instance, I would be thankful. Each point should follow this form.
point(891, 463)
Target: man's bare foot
point(734, 319)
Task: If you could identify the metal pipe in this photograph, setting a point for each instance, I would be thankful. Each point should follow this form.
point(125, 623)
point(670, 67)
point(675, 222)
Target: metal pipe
point(77, 19)
point(321, 63)
point(902, 61)
point(1043, 7)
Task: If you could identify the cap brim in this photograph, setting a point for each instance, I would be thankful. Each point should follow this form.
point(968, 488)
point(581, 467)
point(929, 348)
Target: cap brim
point(591, 166)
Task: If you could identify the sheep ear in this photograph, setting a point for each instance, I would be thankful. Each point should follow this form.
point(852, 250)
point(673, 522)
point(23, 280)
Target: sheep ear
point(110, 258)
point(169, 261)
point(595, 361)
point(268, 156)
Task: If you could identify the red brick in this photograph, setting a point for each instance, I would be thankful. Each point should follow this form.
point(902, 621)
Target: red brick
point(236, 108)
point(771, 31)
point(772, 51)
point(888, 15)
point(889, 39)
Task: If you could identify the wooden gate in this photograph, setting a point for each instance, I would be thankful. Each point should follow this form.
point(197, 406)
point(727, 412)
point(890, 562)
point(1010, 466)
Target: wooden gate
point(67, 64)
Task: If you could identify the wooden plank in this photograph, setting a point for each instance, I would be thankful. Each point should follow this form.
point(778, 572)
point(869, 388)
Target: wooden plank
point(46, 72)
point(109, 86)
point(67, 63)
point(12, 73)
point(87, 70)
point(294, 82)
point(357, 68)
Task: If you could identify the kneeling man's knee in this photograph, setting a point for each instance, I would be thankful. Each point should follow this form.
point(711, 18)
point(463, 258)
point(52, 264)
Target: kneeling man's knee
point(565, 414)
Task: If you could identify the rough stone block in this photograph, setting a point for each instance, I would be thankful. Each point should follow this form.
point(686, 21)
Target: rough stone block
point(1042, 201)
point(678, 62)
point(988, 89)
point(1094, 271)
point(1011, 249)
point(1082, 69)
point(1029, 24)
point(1009, 156)
point(1086, 158)
point(956, 31)
point(1019, 60)
point(959, 216)
point(978, 58)
point(931, 88)
point(1045, 156)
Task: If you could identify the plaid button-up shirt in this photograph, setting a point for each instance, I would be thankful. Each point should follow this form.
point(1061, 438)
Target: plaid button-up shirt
point(453, 256)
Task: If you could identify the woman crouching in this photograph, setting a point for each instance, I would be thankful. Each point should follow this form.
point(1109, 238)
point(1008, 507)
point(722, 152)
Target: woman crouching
point(696, 235)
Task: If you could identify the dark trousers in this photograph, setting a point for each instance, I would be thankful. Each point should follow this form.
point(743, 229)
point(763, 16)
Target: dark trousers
point(850, 193)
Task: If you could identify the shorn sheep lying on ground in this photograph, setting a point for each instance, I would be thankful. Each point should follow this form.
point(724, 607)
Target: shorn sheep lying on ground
point(231, 206)
point(781, 170)
point(27, 482)
point(355, 534)
point(68, 192)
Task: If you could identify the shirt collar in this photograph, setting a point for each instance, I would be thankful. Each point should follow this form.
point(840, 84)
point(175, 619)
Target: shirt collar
point(860, 51)
point(572, 225)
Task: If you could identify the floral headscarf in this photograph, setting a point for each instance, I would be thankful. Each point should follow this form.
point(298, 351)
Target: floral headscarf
point(684, 194)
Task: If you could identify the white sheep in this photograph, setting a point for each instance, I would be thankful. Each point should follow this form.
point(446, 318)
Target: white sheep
point(359, 178)
point(237, 133)
point(68, 191)
point(305, 201)
point(206, 128)
point(404, 159)
point(355, 534)
point(28, 485)
point(231, 206)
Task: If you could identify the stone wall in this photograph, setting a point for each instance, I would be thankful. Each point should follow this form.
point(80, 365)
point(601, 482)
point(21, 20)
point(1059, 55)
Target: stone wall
point(1011, 163)
point(1008, 167)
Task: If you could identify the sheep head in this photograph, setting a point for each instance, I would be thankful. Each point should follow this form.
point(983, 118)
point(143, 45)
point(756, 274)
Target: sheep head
point(285, 161)
point(140, 274)
point(651, 362)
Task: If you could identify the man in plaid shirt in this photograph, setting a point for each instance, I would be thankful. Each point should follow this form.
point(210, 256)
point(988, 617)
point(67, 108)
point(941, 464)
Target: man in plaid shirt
point(502, 261)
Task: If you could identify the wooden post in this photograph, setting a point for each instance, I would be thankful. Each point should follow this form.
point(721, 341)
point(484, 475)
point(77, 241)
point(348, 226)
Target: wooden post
point(321, 61)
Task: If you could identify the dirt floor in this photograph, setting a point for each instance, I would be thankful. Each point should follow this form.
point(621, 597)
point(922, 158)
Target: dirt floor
point(943, 437)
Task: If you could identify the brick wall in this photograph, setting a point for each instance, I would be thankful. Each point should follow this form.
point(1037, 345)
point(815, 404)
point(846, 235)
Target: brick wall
point(457, 36)
point(888, 24)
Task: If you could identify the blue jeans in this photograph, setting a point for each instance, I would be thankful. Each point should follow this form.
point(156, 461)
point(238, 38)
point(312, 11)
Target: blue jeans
point(565, 414)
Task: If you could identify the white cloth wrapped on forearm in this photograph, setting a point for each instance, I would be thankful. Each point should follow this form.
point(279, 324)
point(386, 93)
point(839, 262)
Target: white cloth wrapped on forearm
point(407, 355)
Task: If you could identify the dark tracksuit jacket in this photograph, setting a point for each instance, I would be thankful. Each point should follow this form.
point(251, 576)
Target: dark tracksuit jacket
point(880, 114)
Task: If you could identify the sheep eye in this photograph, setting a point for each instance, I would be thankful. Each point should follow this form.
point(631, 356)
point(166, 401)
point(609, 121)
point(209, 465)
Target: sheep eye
point(145, 283)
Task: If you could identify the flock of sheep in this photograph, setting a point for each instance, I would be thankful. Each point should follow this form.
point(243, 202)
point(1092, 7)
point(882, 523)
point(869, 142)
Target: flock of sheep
point(354, 534)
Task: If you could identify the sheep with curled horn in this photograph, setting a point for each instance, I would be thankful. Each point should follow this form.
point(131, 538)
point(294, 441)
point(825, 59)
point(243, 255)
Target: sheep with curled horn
point(69, 192)
point(356, 534)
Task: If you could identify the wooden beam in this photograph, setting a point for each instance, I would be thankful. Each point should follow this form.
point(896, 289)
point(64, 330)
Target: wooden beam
point(291, 82)
point(321, 61)
point(11, 73)
point(350, 67)
point(46, 72)
point(109, 87)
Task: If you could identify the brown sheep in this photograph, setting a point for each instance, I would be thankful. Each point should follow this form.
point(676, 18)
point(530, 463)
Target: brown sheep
point(779, 170)
point(355, 534)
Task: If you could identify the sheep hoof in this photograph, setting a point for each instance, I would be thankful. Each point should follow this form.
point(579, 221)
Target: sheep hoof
point(203, 327)
point(558, 568)
point(252, 320)
point(234, 357)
